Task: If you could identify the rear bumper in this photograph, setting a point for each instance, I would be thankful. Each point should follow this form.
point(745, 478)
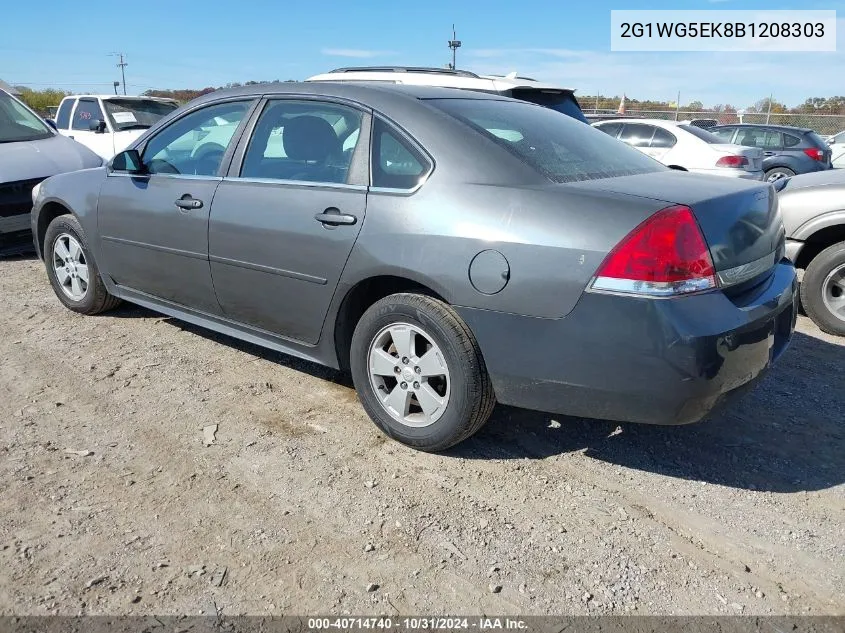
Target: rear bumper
point(15, 234)
point(639, 360)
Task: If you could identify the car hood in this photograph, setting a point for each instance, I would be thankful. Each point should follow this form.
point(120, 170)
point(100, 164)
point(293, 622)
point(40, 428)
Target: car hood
point(25, 160)
point(813, 179)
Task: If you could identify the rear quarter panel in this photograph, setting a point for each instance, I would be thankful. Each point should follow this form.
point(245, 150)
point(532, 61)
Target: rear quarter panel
point(553, 238)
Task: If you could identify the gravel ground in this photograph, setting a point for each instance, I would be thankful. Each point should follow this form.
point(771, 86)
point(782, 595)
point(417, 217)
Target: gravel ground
point(117, 499)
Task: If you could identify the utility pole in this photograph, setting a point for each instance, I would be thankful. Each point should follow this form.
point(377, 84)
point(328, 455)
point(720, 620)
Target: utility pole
point(769, 111)
point(454, 44)
point(678, 105)
point(121, 64)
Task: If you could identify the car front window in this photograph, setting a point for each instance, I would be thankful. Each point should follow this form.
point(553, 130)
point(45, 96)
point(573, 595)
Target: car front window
point(18, 123)
point(556, 145)
point(135, 114)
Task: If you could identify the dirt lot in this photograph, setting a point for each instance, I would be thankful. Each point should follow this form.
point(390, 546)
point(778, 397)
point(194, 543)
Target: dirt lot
point(112, 503)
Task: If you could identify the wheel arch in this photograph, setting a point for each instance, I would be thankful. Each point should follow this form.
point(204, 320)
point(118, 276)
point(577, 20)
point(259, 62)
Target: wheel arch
point(361, 296)
point(817, 241)
point(48, 212)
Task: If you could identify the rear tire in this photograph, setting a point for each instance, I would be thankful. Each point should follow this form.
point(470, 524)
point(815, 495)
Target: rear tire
point(776, 173)
point(421, 343)
point(823, 290)
point(71, 268)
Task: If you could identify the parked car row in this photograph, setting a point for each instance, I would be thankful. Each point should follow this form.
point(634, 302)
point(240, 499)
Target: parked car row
point(451, 247)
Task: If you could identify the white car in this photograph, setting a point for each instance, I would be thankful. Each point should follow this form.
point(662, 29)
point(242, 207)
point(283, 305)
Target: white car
point(837, 144)
point(512, 85)
point(686, 146)
point(107, 124)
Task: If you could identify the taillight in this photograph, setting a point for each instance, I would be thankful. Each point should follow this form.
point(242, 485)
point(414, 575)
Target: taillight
point(814, 153)
point(732, 161)
point(664, 256)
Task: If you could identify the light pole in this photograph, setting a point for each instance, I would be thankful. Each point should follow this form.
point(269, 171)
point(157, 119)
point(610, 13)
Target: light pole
point(121, 64)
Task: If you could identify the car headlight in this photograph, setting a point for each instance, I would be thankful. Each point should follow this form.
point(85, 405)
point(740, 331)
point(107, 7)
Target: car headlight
point(36, 191)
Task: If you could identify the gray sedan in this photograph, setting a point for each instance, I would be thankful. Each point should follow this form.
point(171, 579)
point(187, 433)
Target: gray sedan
point(450, 249)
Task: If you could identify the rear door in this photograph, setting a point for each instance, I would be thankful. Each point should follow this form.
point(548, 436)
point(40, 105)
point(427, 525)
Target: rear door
point(286, 217)
point(769, 141)
point(63, 115)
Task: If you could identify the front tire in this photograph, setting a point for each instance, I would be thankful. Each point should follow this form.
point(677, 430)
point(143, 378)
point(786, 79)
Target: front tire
point(419, 372)
point(823, 290)
point(71, 268)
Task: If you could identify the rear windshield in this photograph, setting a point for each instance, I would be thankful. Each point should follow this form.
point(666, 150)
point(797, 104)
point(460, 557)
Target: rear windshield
point(559, 147)
point(563, 102)
point(704, 135)
point(817, 140)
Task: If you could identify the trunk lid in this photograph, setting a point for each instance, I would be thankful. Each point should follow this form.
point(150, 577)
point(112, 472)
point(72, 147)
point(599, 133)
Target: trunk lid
point(753, 154)
point(740, 220)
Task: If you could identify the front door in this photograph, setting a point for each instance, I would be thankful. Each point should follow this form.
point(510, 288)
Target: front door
point(285, 220)
point(154, 227)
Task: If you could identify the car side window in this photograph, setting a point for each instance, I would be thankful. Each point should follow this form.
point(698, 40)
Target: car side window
point(754, 137)
point(195, 144)
point(663, 139)
point(308, 141)
point(612, 129)
point(396, 164)
point(637, 134)
point(726, 134)
point(63, 115)
point(87, 111)
point(790, 141)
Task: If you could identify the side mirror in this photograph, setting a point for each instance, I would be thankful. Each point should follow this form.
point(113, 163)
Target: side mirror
point(97, 126)
point(128, 161)
point(52, 124)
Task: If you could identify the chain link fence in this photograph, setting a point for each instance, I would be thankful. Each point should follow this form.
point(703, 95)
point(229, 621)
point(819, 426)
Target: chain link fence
point(823, 124)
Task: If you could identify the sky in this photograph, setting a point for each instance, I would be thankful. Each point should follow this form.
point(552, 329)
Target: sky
point(194, 44)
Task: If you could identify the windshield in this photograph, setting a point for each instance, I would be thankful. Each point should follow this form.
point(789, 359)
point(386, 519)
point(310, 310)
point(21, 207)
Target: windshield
point(133, 114)
point(559, 147)
point(704, 135)
point(19, 123)
point(563, 102)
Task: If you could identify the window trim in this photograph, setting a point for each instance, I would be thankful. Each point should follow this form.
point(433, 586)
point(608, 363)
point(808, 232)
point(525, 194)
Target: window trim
point(359, 182)
point(403, 135)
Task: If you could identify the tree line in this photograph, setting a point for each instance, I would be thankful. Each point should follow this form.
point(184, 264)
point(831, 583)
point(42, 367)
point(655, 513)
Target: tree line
point(42, 100)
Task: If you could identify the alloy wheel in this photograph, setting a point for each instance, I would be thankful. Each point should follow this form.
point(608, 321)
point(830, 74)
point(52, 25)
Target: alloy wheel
point(409, 374)
point(70, 266)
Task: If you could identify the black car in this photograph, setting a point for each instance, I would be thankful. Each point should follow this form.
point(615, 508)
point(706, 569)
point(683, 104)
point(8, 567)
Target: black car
point(787, 150)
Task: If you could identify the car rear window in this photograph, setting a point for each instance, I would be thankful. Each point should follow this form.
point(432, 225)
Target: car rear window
point(554, 144)
point(563, 102)
point(817, 140)
point(704, 135)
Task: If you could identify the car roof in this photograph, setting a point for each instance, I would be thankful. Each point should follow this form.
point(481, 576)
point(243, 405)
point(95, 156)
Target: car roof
point(128, 97)
point(434, 76)
point(357, 90)
point(657, 122)
point(768, 126)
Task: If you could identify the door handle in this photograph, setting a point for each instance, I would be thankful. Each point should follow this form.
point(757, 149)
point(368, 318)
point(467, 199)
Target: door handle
point(188, 202)
point(768, 153)
point(333, 217)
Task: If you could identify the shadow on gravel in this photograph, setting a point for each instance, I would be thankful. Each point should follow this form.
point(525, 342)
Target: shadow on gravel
point(786, 435)
point(131, 311)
